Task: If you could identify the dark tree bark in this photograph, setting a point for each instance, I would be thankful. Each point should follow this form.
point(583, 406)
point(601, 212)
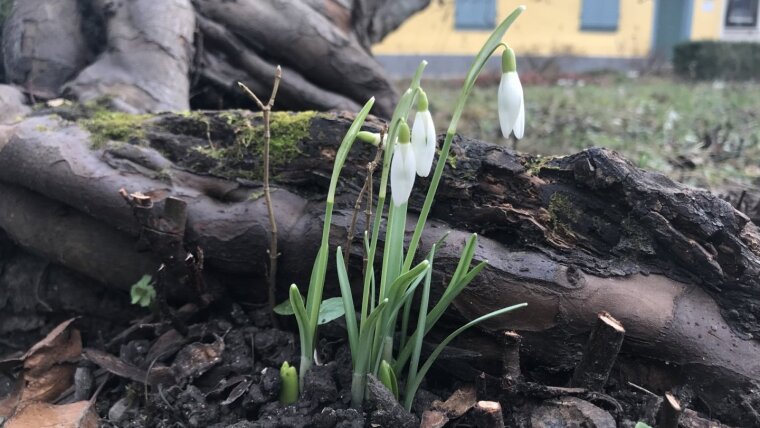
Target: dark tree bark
point(572, 236)
point(152, 56)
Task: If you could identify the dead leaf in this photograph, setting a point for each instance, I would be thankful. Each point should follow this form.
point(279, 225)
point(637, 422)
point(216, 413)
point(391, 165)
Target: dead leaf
point(433, 419)
point(455, 406)
point(50, 364)
point(47, 369)
point(196, 358)
point(115, 365)
point(237, 392)
point(42, 415)
point(458, 403)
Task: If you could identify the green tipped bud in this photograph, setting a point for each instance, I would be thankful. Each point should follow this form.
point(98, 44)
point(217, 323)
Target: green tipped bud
point(404, 136)
point(508, 61)
point(289, 389)
point(422, 101)
point(369, 137)
point(387, 377)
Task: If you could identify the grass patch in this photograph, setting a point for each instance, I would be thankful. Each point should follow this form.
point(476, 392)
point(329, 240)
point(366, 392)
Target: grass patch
point(705, 134)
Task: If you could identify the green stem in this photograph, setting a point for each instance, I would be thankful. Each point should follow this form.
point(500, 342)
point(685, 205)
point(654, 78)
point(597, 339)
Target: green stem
point(493, 43)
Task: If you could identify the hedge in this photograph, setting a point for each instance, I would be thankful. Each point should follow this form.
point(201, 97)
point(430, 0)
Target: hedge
point(717, 60)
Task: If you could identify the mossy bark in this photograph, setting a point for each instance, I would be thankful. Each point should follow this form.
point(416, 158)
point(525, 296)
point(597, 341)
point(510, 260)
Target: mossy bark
point(572, 237)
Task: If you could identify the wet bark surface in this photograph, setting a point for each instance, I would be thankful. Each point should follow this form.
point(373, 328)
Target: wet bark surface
point(572, 236)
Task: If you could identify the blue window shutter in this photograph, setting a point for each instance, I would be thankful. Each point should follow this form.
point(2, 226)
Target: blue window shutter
point(600, 15)
point(475, 14)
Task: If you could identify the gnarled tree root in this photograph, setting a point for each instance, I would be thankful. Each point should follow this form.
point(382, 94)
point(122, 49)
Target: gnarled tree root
point(571, 236)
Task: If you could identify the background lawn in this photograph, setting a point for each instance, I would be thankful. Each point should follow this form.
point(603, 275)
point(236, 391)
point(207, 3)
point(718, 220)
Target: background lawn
point(705, 134)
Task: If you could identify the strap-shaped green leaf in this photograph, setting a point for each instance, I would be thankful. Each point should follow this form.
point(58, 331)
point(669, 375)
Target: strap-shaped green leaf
point(348, 304)
point(438, 349)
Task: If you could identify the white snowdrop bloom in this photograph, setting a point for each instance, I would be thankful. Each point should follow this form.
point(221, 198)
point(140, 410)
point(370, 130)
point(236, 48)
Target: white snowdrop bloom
point(423, 137)
point(403, 167)
point(511, 104)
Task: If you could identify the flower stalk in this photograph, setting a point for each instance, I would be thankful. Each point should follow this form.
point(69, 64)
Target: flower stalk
point(371, 332)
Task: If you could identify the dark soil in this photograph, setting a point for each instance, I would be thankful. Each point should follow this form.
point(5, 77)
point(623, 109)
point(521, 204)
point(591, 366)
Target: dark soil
point(225, 373)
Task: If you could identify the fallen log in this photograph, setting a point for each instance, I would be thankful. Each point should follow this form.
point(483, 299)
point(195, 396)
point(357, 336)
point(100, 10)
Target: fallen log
point(572, 236)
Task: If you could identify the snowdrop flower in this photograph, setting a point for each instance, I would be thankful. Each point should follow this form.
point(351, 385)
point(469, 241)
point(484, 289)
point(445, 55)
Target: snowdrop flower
point(403, 167)
point(511, 104)
point(423, 136)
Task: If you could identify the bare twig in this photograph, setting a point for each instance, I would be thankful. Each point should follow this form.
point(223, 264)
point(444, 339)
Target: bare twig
point(367, 188)
point(266, 110)
point(510, 360)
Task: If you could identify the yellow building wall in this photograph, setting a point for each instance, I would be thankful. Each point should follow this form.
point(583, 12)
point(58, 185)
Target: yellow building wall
point(707, 19)
point(547, 27)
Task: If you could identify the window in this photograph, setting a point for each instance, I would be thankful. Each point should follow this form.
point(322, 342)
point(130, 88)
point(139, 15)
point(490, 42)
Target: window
point(600, 15)
point(475, 14)
point(741, 13)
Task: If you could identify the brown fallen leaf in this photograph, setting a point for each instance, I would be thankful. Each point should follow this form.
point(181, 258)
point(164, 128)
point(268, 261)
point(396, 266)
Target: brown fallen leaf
point(46, 370)
point(196, 358)
point(118, 367)
point(44, 415)
point(454, 407)
point(458, 403)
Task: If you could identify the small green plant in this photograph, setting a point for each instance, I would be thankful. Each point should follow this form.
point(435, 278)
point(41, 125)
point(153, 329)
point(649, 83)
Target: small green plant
point(386, 301)
point(143, 293)
point(388, 377)
point(289, 384)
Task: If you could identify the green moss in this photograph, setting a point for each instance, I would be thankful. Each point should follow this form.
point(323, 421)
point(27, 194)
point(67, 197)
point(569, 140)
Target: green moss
point(561, 212)
point(287, 130)
point(107, 125)
point(536, 163)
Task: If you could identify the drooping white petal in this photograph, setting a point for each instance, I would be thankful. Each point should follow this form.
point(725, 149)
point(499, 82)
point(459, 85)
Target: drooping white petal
point(402, 173)
point(520, 122)
point(423, 142)
point(510, 99)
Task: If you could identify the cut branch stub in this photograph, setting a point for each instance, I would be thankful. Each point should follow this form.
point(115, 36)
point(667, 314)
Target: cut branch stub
point(670, 412)
point(511, 360)
point(600, 353)
point(487, 414)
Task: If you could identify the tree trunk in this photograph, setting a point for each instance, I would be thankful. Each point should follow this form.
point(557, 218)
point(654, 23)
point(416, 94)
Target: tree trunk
point(149, 56)
point(572, 236)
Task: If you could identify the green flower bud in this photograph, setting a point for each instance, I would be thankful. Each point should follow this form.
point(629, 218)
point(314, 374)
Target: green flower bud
point(422, 101)
point(404, 136)
point(289, 389)
point(368, 137)
point(508, 61)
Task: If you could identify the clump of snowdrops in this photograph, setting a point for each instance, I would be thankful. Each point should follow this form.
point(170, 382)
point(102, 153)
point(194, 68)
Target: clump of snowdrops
point(386, 302)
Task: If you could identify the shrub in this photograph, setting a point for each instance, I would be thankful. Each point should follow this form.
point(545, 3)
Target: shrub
point(705, 60)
